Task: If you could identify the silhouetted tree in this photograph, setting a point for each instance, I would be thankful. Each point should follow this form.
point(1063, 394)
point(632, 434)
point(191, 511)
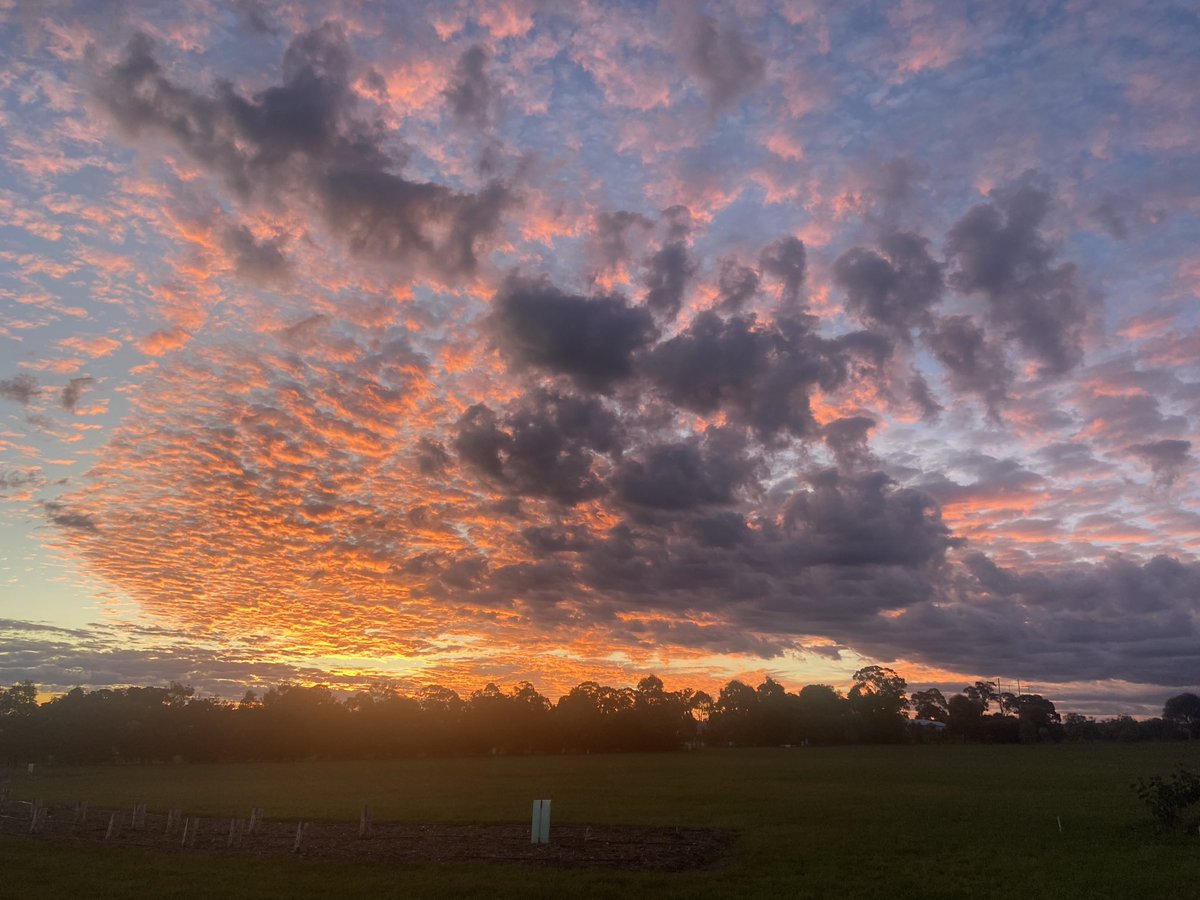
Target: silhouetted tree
point(1037, 719)
point(982, 692)
point(878, 702)
point(965, 717)
point(294, 721)
point(823, 715)
point(1183, 711)
point(930, 704)
point(1080, 728)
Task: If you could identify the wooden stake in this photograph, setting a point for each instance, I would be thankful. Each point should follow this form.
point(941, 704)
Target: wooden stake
point(112, 827)
point(364, 822)
point(38, 818)
point(233, 827)
point(191, 826)
point(1059, 818)
point(301, 827)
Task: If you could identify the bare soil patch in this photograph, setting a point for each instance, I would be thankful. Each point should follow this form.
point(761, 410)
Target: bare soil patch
point(607, 846)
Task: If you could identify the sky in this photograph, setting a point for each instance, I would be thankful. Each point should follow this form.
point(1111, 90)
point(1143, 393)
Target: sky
point(496, 341)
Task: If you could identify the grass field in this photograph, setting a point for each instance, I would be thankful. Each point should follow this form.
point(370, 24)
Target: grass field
point(863, 822)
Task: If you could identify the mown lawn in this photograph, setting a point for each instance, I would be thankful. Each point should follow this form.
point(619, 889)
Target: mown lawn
point(863, 822)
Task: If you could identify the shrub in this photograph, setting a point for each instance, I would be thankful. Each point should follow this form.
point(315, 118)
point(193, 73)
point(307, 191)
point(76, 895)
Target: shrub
point(1170, 797)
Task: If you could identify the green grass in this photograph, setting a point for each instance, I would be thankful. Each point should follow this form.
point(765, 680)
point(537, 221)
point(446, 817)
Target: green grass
point(865, 822)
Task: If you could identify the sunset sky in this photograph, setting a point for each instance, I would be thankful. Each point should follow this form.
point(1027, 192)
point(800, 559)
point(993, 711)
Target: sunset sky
point(484, 342)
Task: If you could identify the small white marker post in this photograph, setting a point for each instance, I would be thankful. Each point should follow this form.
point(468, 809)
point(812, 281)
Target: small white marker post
point(1059, 818)
point(539, 832)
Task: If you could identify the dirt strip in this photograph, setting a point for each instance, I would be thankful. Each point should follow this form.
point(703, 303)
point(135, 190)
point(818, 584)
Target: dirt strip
point(608, 846)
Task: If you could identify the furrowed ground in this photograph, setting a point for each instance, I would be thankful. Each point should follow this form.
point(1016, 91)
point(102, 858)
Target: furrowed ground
point(859, 822)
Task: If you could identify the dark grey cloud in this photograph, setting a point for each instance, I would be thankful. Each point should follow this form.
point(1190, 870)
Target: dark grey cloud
point(12, 479)
point(591, 340)
point(385, 217)
point(260, 261)
point(667, 272)
point(100, 657)
point(687, 474)
point(760, 374)
point(992, 477)
point(1121, 213)
point(897, 188)
point(471, 93)
point(976, 364)
point(895, 289)
point(72, 392)
point(20, 388)
point(787, 261)
point(1166, 458)
point(432, 457)
point(1123, 419)
point(832, 551)
point(719, 58)
point(546, 445)
point(253, 17)
point(922, 395)
point(1120, 618)
point(866, 520)
point(305, 136)
point(999, 251)
point(611, 236)
point(737, 284)
point(64, 517)
point(848, 440)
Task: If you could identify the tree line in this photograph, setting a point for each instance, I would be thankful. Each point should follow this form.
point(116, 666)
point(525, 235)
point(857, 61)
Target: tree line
point(289, 722)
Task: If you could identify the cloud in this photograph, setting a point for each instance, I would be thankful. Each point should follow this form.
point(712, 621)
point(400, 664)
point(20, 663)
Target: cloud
point(611, 235)
point(686, 474)
point(787, 261)
point(718, 57)
point(1000, 252)
point(94, 347)
point(64, 517)
point(670, 268)
point(73, 391)
point(736, 284)
point(471, 94)
point(1119, 618)
point(304, 136)
point(548, 445)
point(895, 289)
point(848, 439)
point(976, 365)
point(20, 389)
point(260, 261)
point(432, 458)
point(759, 374)
point(1166, 458)
point(14, 480)
point(591, 340)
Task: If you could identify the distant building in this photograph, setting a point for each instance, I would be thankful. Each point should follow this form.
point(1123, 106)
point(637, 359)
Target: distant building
point(930, 723)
